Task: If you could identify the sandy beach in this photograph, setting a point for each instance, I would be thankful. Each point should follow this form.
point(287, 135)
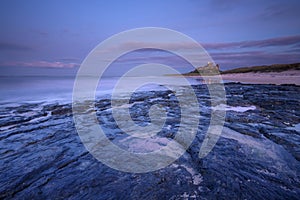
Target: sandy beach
point(285, 77)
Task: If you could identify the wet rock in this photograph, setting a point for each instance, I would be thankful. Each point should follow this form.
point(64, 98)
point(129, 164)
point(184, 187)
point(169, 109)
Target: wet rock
point(61, 110)
point(256, 157)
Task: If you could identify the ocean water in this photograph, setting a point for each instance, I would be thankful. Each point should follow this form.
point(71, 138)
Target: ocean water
point(35, 88)
point(46, 89)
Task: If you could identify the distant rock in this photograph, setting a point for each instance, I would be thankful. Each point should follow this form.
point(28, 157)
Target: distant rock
point(207, 70)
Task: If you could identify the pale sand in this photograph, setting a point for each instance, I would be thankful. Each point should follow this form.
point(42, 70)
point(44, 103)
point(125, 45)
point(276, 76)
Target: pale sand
point(286, 77)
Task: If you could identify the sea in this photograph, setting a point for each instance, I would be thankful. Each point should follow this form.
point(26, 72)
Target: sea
point(29, 89)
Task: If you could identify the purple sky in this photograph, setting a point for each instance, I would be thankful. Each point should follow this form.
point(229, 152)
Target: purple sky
point(53, 37)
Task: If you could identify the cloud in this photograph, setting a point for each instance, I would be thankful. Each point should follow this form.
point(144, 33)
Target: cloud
point(180, 45)
point(164, 59)
point(230, 60)
point(43, 64)
point(224, 5)
point(296, 50)
point(148, 46)
point(41, 33)
point(70, 59)
point(280, 10)
point(279, 41)
point(7, 46)
point(234, 54)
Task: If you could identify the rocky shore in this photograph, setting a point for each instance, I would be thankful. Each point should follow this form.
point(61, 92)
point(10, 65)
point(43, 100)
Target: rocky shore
point(256, 157)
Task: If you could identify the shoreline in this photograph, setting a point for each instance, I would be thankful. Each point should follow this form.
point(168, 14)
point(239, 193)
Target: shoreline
point(277, 78)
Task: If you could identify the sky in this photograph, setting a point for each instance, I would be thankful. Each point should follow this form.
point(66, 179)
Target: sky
point(54, 37)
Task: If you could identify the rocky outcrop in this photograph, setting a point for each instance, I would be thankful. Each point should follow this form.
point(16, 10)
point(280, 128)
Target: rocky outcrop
point(257, 156)
point(208, 70)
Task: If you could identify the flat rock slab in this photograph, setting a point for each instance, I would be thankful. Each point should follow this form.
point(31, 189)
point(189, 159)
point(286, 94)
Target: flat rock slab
point(256, 157)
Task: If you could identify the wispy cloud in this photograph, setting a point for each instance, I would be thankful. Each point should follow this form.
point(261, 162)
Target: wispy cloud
point(145, 46)
point(70, 59)
point(224, 5)
point(237, 59)
point(255, 52)
point(295, 50)
point(163, 59)
point(280, 10)
point(227, 54)
point(7, 46)
point(44, 64)
point(180, 45)
point(237, 53)
point(279, 41)
point(41, 33)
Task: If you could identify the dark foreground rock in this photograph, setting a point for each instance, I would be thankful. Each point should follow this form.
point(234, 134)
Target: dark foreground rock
point(256, 157)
